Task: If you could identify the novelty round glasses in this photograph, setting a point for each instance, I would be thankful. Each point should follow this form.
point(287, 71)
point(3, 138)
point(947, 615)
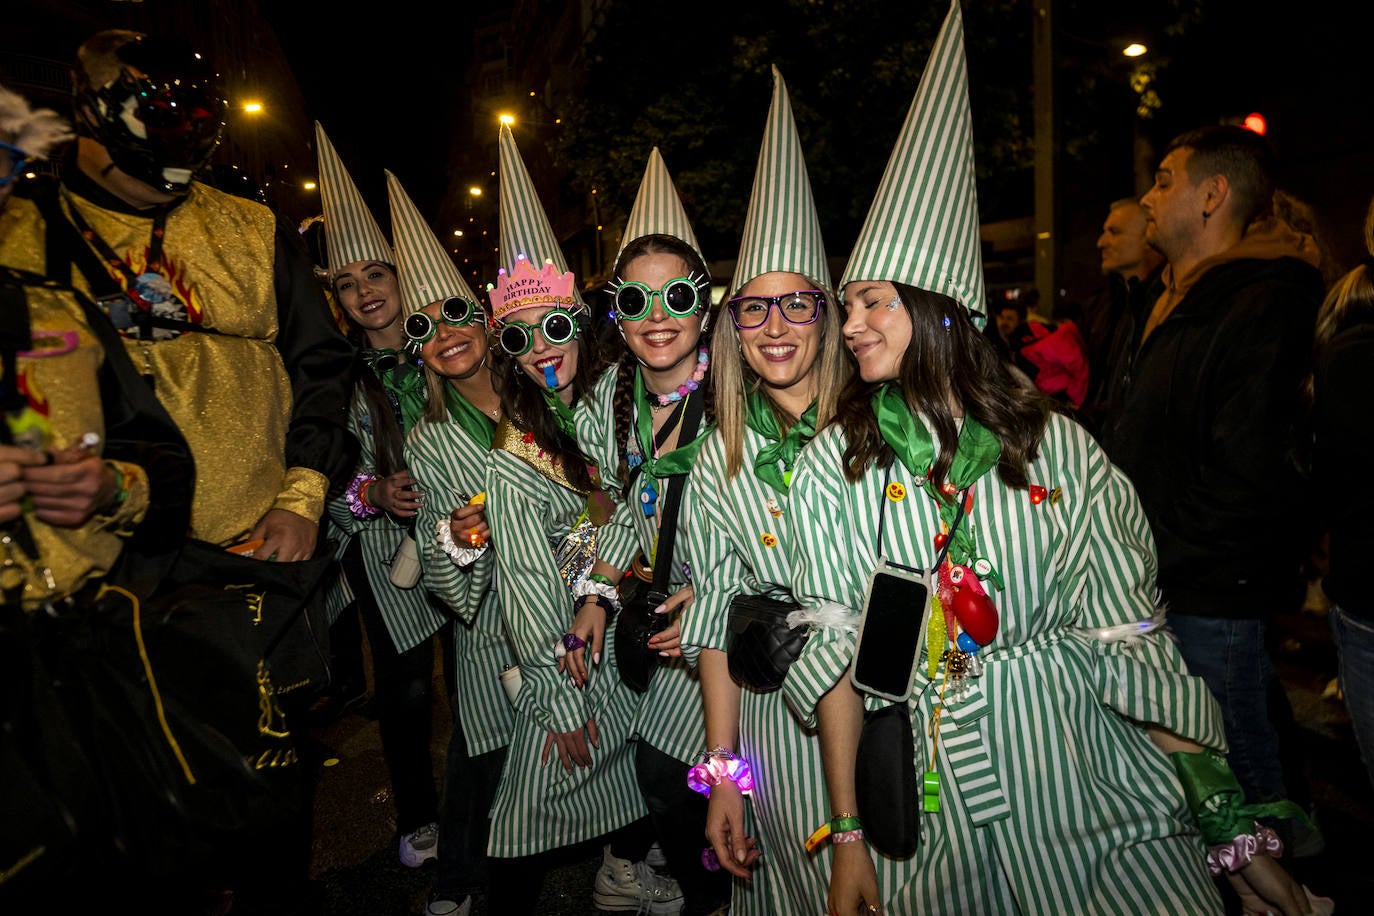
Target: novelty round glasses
point(558, 327)
point(455, 311)
point(634, 300)
point(799, 307)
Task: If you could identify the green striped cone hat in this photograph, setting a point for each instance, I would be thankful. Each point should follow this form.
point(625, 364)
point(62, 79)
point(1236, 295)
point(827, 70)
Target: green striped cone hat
point(658, 209)
point(425, 270)
point(922, 229)
point(781, 229)
point(350, 232)
point(525, 230)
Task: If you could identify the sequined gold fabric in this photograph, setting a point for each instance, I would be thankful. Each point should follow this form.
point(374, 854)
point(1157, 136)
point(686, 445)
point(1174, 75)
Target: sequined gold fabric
point(522, 445)
point(229, 392)
point(58, 376)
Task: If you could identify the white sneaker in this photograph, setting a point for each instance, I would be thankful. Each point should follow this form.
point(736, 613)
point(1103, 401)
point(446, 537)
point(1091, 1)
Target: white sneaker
point(442, 905)
point(420, 846)
point(632, 887)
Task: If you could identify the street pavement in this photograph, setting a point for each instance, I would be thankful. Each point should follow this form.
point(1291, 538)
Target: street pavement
point(357, 872)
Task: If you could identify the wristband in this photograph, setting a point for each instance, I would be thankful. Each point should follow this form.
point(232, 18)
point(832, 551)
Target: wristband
point(604, 580)
point(356, 497)
point(717, 766)
point(121, 487)
point(842, 828)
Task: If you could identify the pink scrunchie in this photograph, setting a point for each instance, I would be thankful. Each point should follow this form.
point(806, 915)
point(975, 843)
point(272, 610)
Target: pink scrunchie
point(1235, 855)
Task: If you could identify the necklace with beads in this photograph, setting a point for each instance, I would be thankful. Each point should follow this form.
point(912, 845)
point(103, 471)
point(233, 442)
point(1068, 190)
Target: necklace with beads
point(659, 401)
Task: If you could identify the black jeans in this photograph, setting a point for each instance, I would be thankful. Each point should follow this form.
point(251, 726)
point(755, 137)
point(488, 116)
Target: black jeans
point(465, 812)
point(679, 817)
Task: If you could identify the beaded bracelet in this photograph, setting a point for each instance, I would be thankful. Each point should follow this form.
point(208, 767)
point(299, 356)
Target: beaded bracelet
point(1235, 855)
point(356, 497)
point(842, 828)
point(717, 766)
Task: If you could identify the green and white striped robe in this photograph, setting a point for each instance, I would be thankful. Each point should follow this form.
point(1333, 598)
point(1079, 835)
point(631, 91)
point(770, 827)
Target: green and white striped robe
point(1052, 798)
point(789, 798)
point(451, 466)
point(544, 807)
point(670, 716)
point(411, 615)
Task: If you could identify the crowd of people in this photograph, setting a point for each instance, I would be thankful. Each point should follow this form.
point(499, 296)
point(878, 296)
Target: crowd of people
point(827, 598)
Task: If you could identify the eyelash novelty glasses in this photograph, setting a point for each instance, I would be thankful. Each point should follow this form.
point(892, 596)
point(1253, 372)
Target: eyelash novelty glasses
point(800, 307)
point(558, 327)
point(681, 297)
point(455, 311)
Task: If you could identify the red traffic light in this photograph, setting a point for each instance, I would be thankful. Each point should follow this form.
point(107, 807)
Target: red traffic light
point(1255, 121)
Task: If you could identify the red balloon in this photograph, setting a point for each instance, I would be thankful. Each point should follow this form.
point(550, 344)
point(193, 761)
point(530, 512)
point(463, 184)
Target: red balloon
point(977, 615)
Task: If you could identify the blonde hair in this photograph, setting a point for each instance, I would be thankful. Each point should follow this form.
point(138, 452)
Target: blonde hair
point(733, 380)
point(35, 131)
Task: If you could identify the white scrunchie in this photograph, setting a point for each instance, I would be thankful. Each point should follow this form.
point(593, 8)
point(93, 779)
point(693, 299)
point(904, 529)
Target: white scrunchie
point(461, 556)
point(587, 586)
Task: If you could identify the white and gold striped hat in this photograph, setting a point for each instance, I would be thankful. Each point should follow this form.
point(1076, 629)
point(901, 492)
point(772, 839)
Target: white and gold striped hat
point(350, 232)
point(525, 230)
point(423, 267)
point(922, 228)
point(781, 229)
point(658, 209)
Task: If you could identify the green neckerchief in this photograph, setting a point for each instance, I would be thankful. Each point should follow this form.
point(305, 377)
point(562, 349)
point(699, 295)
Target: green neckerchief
point(475, 423)
point(407, 383)
point(782, 449)
point(680, 459)
point(562, 413)
point(976, 454)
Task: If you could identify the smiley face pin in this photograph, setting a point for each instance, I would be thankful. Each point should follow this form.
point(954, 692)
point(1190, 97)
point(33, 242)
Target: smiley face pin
point(769, 539)
point(896, 492)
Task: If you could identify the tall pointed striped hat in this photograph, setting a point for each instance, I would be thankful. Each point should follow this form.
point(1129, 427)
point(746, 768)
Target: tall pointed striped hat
point(922, 229)
point(781, 229)
point(350, 232)
point(527, 242)
point(423, 267)
point(658, 209)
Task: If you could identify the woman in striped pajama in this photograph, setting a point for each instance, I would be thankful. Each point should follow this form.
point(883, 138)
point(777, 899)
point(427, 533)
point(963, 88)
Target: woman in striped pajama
point(1048, 701)
point(569, 774)
point(447, 454)
point(779, 369)
point(633, 426)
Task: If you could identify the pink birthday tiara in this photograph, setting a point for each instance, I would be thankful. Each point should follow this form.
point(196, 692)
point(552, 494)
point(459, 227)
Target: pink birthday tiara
point(524, 287)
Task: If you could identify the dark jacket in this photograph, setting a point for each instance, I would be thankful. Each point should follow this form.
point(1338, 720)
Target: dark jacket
point(1206, 432)
point(1343, 453)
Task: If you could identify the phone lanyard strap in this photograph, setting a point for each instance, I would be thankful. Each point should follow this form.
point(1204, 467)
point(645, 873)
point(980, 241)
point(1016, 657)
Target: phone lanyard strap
point(949, 538)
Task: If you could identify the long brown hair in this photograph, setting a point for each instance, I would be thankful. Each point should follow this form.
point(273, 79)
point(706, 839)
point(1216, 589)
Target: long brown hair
point(522, 400)
point(947, 359)
point(622, 403)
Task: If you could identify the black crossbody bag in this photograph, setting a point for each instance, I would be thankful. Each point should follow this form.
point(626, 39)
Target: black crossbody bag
point(638, 623)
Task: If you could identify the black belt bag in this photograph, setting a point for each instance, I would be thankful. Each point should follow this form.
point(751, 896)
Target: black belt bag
point(760, 644)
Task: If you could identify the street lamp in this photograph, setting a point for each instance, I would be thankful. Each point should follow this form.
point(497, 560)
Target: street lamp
point(309, 185)
point(506, 119)
point(252, 107)
point(1134, 49)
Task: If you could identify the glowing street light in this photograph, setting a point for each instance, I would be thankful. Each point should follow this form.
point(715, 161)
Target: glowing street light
point(475, 191)
point(252, 107)
point(458, 233)
point(309, 185)
point(506, 119)
point(1134, 49)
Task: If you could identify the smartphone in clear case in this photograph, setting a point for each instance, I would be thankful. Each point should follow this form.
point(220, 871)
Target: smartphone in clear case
point(894, 617)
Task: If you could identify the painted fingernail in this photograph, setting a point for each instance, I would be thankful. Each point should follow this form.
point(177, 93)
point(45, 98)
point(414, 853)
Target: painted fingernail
point(661, 609)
